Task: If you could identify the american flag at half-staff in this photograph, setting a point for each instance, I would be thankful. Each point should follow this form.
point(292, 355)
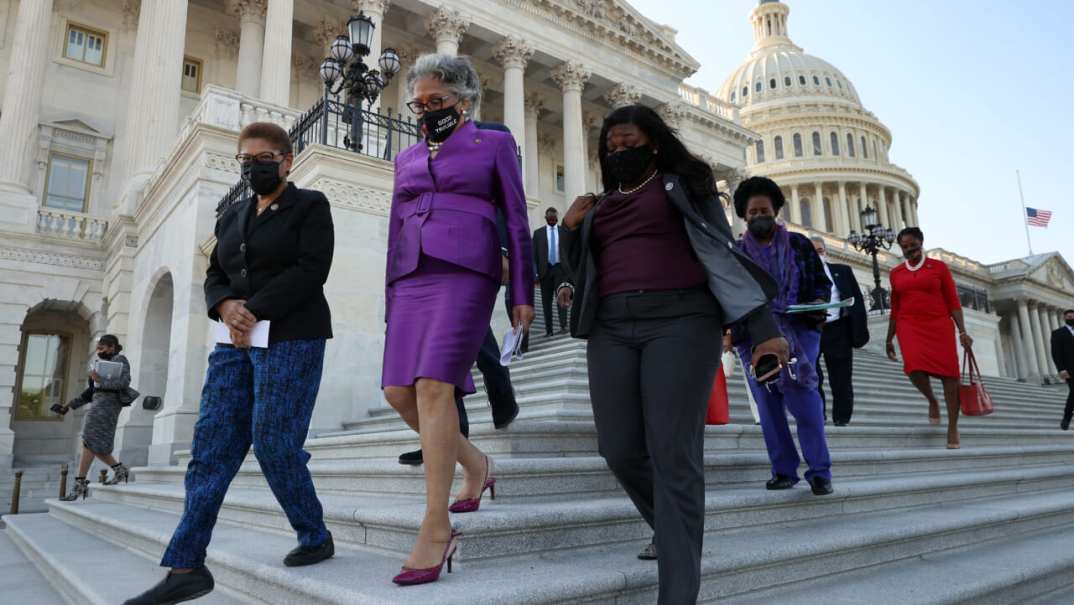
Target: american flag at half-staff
point(1038, 218)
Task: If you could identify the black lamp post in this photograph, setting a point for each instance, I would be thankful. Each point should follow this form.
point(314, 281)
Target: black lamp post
point(876, 238)
point(345, 71)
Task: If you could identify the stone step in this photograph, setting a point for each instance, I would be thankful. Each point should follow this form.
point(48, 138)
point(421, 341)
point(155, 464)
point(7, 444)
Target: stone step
point(537, 479)
point(390, 522)
point(86, 569)
point(20, 581)
point(1034, 569)
point(734, 563)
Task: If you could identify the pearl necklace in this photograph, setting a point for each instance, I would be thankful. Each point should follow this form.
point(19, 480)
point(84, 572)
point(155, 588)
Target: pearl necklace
point(912, 268)
point(639, 187)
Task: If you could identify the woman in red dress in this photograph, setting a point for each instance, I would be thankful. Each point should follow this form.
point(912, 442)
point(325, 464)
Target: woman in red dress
point(924, 303)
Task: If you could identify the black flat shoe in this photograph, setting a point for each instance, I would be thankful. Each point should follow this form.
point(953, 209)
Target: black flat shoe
point(177, 588)
point(1065, 424)
point(780, 482)
point(308, 555)
point(841, 423)
point(411, 458)
point(648, 553)
point(502, 421)
point(820, 486)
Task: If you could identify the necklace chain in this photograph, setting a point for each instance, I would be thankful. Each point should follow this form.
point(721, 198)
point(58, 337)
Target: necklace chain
point(919, 265)
point(640, 186)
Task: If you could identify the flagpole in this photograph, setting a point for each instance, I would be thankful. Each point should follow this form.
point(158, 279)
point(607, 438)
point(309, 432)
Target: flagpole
point(1025, 215)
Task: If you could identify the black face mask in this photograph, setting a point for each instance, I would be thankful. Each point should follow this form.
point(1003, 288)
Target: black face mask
point(1070, 322)
point(106, 356)
point(263, 177)
point(911, 253)
point(629, 165)
point(441, 123)
point(761, 226)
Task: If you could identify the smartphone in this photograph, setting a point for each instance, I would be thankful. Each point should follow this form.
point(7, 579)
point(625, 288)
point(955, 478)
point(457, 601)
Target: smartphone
point(767, 369)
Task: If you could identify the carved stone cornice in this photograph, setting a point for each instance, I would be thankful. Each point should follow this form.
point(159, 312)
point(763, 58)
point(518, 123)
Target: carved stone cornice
point(513, 51)
point(371, 7)
point(354, 197)
point(571, 75)
point(534, 102)
point(447, 24)
point(130, 10)
point(249, 9)
point(673, 113)
point(227, 42)
point(546, 141)
point(48, 257)
point(326, 31)
point(622, 95)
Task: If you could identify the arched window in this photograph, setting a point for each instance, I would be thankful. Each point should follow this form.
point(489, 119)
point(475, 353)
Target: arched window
point(758, 86)
point(835, 144)
point(801, 80)
point(829, 80)
point(787, 81)
point(850, 144)
point(745, 91)
point(876, 149)
point(778, 142)
point(769, 20)
point(816, 144)
point(732, 96)
point(760, 152)
point(772, 83)
point(816, 81)
point(864, 148)
point(840, 83)
point(797, 145)
point(806, 210)
point(828, 214)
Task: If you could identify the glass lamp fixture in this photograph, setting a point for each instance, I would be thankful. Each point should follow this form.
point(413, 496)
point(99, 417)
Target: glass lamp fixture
point(868, 217)
point(360, 27)
point(389, 62)
point(341, 49)
point(331, 70)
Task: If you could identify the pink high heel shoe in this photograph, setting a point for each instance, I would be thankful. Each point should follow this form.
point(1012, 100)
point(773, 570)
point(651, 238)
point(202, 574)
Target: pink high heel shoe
point(413, 577)
point(471, 505)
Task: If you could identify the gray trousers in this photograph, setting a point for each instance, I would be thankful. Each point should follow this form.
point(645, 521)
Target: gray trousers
point(652, 360)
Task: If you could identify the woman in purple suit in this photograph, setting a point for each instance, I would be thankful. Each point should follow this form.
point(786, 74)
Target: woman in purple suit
point(443, 273)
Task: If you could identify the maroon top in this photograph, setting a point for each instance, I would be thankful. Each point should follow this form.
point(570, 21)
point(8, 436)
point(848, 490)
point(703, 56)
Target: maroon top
point(641, 244)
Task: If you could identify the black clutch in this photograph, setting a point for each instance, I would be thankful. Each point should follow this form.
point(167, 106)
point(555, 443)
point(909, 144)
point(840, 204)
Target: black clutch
point(59, 409)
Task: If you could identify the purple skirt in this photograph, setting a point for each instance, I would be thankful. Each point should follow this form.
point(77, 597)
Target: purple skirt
point(437, 320)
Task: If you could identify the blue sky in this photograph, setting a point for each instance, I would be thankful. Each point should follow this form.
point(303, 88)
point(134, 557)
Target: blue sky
point(971, 91)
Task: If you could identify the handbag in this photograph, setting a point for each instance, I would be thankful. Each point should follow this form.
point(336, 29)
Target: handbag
point(972, 396)
point(127, 396)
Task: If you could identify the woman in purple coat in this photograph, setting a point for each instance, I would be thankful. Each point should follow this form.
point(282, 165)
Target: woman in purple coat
point(442, 276)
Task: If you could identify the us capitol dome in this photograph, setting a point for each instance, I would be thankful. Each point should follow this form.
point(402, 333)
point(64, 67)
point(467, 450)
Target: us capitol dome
point(817, 140)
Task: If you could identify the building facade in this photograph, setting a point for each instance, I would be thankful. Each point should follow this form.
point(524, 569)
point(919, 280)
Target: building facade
point(120, 120)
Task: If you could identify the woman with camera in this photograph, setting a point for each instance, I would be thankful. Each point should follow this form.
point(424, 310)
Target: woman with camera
point(655, 279)
point(107, 395)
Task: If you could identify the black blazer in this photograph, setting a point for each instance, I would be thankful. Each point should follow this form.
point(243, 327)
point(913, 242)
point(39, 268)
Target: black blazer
point(540, 249)
point(278, 262)
point(741, 287)
point(852, 328)
point(1063, 349)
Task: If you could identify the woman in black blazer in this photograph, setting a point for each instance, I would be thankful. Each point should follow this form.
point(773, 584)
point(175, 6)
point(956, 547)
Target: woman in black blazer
point(270, 263)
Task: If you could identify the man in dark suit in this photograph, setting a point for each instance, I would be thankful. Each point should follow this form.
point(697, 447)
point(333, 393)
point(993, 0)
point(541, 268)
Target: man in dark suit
point(1063, 356)
point(845, 329)
point(497, 377)
point(550, 274)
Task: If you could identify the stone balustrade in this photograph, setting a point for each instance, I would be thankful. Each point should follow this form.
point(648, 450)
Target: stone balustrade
point(71, 225)
point(230, 109)
point(700, 98)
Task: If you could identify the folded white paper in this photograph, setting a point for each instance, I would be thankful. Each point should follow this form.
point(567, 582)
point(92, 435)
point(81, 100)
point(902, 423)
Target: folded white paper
point(512, 343)
point(258, 337)
point(108, 370)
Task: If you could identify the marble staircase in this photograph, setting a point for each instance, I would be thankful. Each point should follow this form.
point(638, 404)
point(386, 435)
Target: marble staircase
point(910, 522)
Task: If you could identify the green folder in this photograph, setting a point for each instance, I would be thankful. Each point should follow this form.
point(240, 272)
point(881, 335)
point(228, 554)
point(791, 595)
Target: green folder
point(849, 302)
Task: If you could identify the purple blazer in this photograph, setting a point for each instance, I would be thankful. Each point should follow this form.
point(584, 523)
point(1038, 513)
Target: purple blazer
point(446, 208)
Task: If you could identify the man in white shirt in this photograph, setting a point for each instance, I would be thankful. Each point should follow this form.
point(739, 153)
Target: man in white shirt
point(844, 330)
point(550, 274)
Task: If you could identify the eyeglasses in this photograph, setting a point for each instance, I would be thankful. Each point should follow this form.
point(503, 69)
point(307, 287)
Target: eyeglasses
point(264, 156)
point(434, 104)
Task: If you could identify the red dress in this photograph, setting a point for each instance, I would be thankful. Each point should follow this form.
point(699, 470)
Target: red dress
point(921, 304)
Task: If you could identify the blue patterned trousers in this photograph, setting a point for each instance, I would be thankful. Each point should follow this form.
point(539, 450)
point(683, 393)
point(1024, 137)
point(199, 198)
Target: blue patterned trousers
point(262, 397)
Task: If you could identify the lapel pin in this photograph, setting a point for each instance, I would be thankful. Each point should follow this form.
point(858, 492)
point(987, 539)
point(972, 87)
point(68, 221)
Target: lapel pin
point(274, 207)
point(668, 187)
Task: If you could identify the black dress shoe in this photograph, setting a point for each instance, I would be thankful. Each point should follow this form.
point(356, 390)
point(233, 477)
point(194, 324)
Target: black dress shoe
point(1065, 424)
point(820, 486)
point(648, 553)
point(411, 458)
point(780, 482)
point(308, 555)
point(177, 588)
point(502, 419)
point(841, 423)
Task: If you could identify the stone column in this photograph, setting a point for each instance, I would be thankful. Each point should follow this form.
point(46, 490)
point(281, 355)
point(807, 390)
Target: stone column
point(407, 56)
point(531, 155)
point(863, 200)
point(1046, 338)
point(844, 210)
point(796, 208)
point(1029, 348)
point(22, 94)
point(251, 45)
point(900, 218)
point(622, 95)
point(155, 94)
point(276, 72)
point(447, 26)
point(913, 213)
point(882, 206)
point(1038, 341)
point(1021, 365)
point(820, 220)
point(513, 53)
point(571, 78)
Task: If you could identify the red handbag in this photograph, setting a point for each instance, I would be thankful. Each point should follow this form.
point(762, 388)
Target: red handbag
point(718, 411)
point(972, 396)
